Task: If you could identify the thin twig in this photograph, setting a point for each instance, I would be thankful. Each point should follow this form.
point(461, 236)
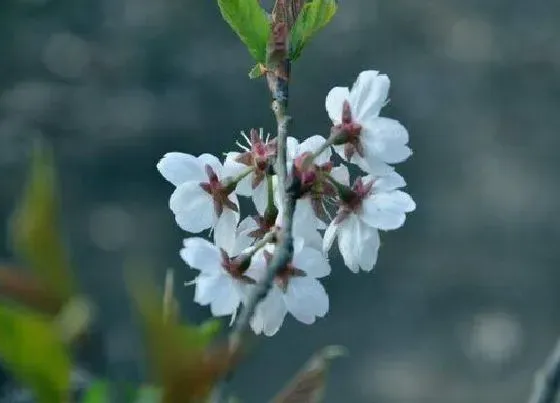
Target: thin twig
point(547, 380)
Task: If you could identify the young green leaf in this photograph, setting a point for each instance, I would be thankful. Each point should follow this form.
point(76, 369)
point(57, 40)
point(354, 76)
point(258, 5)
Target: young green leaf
point(32, 350)
point(183, 364)
point(308, 386)
point(250, 22)
point(314, 16)
point(98, 392)
point(35, 229)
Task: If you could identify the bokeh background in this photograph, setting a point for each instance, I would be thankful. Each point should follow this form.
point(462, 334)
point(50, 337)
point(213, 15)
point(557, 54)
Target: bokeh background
point(464, 303)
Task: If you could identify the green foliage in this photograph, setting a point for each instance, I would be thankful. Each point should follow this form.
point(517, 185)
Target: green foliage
point(99, 393)
point(31, 347)
point(35, 233)
point(315, 15)
point(250, 22)
point(179, 354)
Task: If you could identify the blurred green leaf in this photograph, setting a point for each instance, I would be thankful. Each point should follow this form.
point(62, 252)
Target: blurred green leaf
point(315, 15)
point(250, 22)
point(98, 392)
point(35, 228)
point(179, 354)
point(308, 386)
point(74, 318)
point(32, 350)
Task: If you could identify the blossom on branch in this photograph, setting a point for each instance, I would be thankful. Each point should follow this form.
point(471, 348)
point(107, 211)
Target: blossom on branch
point(365, 138)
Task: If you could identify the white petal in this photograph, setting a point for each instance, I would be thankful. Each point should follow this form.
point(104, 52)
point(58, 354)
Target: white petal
point(206, 288)
point(260, 197)
point(312, 262)
point(244, 187)
point(179, 167)
point(386, 139)
point(311, 145)
point(329, 237)
point(242, 238)
point(385, 183)
point(202, 255)
point(349, 239)
point(213, 161)
point(232, 169)
point(386, 211)
point(369, 94)
point(225, 230)
point(227, 297)
point(306, 299)
point(257, 268)
point(372, 164)
point(273, 311)
point(370, 250)
point(334, 101)
point(193, 207)
point(341, 174)
point(291, 150)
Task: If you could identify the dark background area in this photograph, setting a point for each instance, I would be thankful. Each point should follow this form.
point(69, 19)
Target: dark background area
point(463, 305)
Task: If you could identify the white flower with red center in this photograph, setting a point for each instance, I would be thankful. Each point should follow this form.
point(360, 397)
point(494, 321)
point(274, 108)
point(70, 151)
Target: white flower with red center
point(304, 226)
point(372, 204)
point(203, 197)
point(365, 138)
point(221, 282)
point(254, 162)
point(296, 288)
point(312, 172)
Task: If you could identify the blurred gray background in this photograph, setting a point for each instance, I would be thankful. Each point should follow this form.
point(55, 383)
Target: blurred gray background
point(463, 306)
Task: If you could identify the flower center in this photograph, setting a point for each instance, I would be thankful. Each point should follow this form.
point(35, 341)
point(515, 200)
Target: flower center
point(351, 202)
point(236, 267)
point(348, 133)
point(218, 191)
point(284, 275)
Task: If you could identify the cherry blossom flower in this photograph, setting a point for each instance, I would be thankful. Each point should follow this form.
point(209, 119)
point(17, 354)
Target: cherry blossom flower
point(312, 175)
point(296, 289)
point(373, 203)
point(255, 161)
point(221, 282)
point(203, 198)
point(368, 140)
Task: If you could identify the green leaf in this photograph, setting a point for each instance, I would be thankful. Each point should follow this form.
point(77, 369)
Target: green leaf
point(250, 22)
point(314, 16)
point(32, 350)
point(178, 354)
point(35, 229)
point(256, 72)
point(98, 392)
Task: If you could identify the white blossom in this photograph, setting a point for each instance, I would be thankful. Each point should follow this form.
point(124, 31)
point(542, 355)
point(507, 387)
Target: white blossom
point(252, 164)
point(375, 203)
point(221, 282)
point(201, 199)
point(296, 289)
point(372, 141)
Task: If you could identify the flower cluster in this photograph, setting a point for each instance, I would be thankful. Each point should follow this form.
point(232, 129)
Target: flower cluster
point(329, 207)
